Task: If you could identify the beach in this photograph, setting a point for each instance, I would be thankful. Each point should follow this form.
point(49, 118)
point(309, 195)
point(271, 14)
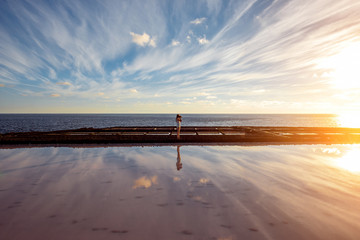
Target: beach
point(204, 120)
point(221, 192)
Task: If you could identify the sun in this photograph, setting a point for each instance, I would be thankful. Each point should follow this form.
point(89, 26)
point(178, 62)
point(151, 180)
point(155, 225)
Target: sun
point(349, 119)
point(344, 67)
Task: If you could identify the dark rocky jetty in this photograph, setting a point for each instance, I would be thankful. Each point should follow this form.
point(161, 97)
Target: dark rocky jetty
point(153, 134)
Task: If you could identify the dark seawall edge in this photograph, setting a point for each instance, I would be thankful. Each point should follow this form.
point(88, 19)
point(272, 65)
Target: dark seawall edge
point(155, 135)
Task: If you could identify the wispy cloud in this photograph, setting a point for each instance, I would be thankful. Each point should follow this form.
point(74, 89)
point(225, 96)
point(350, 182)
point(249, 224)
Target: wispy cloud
point(52, 73)
point(203, 40)
point(198, 21)
point(152, 43)
point(235, 52)
point(174, 43)
point(64, 83)
point(143, 40)
point(133, 91)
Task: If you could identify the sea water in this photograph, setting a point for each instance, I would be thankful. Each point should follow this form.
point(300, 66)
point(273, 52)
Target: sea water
point(51, 122)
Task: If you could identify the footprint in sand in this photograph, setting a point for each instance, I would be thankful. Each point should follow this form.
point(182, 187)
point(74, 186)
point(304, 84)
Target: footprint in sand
point(186, 232)
point(226, 226)
point(162, 204)
point(119, 231)
point(99, 229)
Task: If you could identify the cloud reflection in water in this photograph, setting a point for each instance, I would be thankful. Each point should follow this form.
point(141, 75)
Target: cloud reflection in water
point(145, 182)
point(225, 192)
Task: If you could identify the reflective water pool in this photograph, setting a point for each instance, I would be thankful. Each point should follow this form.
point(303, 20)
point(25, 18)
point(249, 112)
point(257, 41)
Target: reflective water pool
point(181, 192)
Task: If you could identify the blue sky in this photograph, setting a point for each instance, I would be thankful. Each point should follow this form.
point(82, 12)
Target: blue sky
point(265, 56)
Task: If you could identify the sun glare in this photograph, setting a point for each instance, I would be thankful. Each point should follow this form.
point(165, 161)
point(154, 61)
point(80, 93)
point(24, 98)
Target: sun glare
point(350, 120)
point(345, 67)
point(350, 161)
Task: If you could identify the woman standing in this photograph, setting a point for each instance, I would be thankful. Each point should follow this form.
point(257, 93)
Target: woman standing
point(178, 123)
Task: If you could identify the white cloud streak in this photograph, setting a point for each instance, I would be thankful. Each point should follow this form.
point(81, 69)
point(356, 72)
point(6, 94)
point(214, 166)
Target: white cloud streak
point(198, 21)
point(52, 73)
point(64, 83)
point(277, 50)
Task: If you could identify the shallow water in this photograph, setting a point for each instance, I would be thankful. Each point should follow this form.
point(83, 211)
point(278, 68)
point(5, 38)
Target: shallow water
point(219, 192)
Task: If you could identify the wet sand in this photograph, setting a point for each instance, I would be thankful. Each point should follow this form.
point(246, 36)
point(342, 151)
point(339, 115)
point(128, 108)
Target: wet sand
point(221, 192)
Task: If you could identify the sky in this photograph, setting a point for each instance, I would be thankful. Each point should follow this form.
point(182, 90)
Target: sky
point(178, 56)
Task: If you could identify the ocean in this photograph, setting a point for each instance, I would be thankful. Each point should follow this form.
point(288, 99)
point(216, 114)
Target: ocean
point(52, 122)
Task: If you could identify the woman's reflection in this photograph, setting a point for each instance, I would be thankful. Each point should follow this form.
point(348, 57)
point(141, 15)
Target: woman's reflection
point(178, 162)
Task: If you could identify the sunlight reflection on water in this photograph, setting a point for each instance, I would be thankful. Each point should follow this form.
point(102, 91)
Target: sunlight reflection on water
point(347, 159)
point(350, 120)
point(250, 192)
